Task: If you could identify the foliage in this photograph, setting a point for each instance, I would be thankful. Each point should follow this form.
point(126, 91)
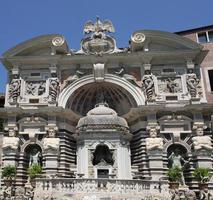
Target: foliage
point(175, 173)
point(9, 172)
point(202, 174)
point(34, 170)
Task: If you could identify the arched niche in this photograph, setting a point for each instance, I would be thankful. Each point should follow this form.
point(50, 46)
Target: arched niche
point(102, 153)
point(180, 150)
point(33, 154)
point(83, 94)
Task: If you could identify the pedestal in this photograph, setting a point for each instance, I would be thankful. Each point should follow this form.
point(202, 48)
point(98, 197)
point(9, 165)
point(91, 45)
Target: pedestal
point(155, 158)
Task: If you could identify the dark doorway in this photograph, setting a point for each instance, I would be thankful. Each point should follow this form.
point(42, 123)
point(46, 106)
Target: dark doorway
point(103, 173)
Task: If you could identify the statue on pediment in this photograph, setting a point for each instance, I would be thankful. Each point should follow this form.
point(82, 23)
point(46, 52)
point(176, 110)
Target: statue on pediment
point(96, 41)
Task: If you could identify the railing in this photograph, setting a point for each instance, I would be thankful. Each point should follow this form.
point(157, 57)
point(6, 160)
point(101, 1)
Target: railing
point(98, 186)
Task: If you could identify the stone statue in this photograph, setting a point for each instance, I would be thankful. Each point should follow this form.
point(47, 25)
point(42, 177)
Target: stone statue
point(192, 83)
point(153, 142)
point(14, 90)
point(29, 192)
point(175, 194)
point(190, 195)
point(10, 142)
point(35, 157)
point(200, 141)
point(176, 161)
point(51, 143)
point(148, 85)
point(205, 195)
point(53, 89)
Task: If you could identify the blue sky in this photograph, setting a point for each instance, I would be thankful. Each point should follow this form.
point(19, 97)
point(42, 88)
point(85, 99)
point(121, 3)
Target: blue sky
point(25, 19)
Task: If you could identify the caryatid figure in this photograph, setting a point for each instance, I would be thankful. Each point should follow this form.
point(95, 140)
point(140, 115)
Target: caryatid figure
point(201, 141)
point(153, 142)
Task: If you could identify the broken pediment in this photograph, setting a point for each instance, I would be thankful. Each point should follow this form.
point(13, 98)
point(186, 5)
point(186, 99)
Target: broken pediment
point(152, 40)
point(40, 46)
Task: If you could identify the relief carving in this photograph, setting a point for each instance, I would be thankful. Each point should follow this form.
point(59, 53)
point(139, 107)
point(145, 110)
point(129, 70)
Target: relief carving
point(169, 85)
point(53, 89)
point(193, 85)
point(14, 90)
point(35, 88)
point(148, 85)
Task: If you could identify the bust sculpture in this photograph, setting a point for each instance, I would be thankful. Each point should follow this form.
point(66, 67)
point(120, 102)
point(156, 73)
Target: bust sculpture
point(51, 143)
point(11, 142)
point(153, 142)
point(201, 141)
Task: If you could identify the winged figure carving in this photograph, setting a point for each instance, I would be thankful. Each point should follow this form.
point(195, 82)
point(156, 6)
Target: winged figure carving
point(98, 26)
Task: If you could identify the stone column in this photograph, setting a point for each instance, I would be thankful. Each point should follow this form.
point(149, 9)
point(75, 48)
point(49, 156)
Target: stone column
point(123, 161)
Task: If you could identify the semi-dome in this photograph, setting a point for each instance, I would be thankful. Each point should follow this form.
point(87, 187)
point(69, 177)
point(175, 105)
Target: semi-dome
point(102, 117)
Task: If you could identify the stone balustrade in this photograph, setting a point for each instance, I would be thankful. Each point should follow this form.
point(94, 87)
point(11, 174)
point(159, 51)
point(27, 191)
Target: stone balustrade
point(60, 187)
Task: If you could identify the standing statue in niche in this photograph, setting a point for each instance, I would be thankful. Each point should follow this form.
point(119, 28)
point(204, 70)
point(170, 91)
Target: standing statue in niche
point(14, 89)
point(177, 160)
point(35, 157)
point(200, 141)
point(53, 89)
point(148, 85)
point(192, 83)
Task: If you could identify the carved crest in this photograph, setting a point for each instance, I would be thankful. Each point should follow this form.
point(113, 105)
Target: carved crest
point(96, 41)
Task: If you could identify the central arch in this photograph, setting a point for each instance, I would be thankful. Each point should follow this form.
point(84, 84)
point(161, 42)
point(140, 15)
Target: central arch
point(82, 95)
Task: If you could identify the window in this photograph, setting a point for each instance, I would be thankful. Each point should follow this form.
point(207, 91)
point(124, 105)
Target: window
point(202, 37)
point(210, 33)
point(205, 37)
point(210, 72)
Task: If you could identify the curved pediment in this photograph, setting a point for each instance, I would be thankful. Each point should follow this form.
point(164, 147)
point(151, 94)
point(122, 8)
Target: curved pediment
point(152, 40)
point(42, 45)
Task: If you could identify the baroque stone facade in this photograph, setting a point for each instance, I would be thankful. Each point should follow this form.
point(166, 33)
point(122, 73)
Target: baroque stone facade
point(105, 122)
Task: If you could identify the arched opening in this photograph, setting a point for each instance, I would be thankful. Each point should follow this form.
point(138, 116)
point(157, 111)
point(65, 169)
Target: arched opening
point(87, 96)
point(33, 154)
point(178, 156)
point(102, 153)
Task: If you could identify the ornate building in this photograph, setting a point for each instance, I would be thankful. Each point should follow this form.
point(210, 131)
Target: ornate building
point(106, 122)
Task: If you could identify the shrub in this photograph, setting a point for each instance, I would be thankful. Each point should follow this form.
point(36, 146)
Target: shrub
point(34, 170)
point(175, 173)
point(9, 172)
point(202, 174)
